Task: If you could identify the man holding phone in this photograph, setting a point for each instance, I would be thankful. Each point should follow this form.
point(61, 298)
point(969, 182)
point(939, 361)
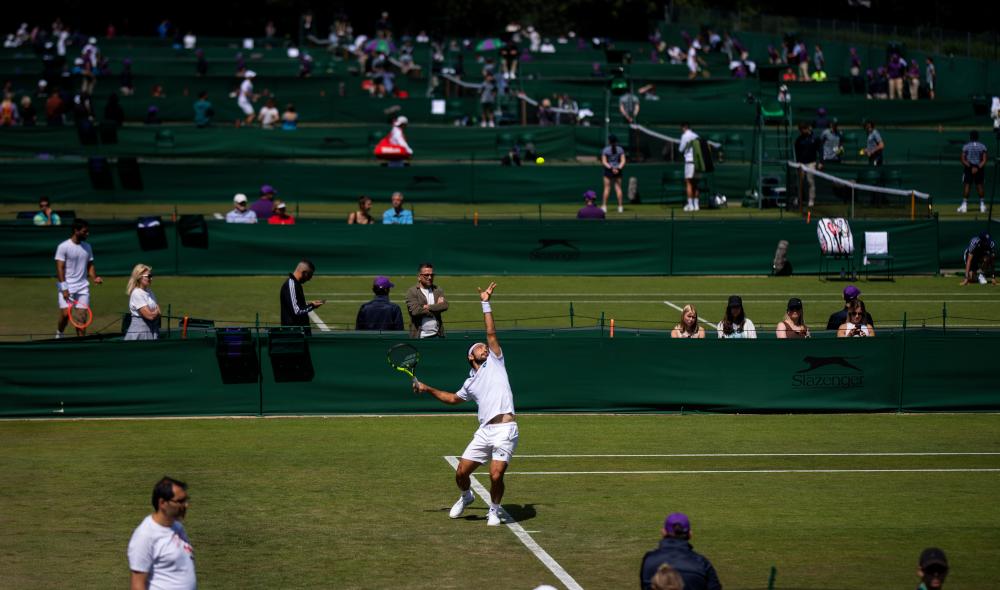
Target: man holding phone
point(295, 309)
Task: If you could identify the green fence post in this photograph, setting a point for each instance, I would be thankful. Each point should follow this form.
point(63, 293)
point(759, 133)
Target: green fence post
point(944, 315)
point(169, 316)
point(902, 366)
point(602, 324)
point(670, 258)
point(771, 578)
point(570, 314)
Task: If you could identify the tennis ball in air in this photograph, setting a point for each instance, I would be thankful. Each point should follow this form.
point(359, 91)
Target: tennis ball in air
point(539, 160)
point(861, 152)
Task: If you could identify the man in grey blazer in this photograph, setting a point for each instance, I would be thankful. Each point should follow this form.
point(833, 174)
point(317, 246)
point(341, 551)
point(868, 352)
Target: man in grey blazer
point(425, 301)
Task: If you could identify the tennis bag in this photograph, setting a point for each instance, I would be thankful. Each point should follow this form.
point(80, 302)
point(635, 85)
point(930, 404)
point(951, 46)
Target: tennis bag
point(835, 237)
point(387, 151)
point(703, 156)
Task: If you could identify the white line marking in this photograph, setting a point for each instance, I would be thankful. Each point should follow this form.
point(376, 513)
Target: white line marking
point(709, 324)
point(319, 323)
point(825, 294)
point(719, 471)
point(705, 298)
point(522, 534)
point(773, 455)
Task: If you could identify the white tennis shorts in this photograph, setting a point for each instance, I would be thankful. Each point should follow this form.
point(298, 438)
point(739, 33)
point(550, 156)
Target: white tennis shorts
point(496, 441)
point(245, 105)
point(81, 299)
point(688, 170)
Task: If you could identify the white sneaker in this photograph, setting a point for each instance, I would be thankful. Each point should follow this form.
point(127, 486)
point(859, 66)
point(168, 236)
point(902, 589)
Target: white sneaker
point(964, 207)
point(982, 207)
point(493, 518)
point(604, 208)
point(688, 207)
point(696, 207)
point(459, 507)
point(982, 279)
point(621, 209)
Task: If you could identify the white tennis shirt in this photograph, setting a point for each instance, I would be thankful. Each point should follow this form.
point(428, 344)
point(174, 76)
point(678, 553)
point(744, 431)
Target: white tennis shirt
point(164, 553)
point(77, 258)
point(490, 389)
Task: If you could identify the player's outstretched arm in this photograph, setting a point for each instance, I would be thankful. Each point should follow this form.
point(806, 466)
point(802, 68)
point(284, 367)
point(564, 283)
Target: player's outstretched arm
point(444, 396)
point(491, 331)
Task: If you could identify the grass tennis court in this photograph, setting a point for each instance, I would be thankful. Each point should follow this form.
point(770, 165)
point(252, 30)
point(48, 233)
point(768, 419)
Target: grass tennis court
point(834, 501)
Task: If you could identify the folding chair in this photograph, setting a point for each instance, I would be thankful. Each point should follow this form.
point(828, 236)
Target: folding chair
point(877, 253)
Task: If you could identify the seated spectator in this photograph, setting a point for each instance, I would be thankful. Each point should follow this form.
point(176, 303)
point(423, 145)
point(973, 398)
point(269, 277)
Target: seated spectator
point(788, 75)
point(29, 117)
point(380, 313)
point(280, 216)
point(290, 118)
point(153, 115)
point(735, 324)
point(688, 326)
point(263, 207)
point(837, 318)
point(240, 212)
point(8, 111)
point(856, 326)
point(979, 259)
point(203, 111)
point(546, 117)
point(397, 215)
point(590, 210)
point(675, 548)
point(794, 323)
point(362, 216)
point(45, 215)
point(932, 569)
point(54, 108)
point(268, 115)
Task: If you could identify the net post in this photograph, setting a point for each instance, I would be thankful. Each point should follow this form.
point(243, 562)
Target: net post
point(944, 315)
point(854, 192)
point(913, 205)
point(570, 314)
point(602, 323)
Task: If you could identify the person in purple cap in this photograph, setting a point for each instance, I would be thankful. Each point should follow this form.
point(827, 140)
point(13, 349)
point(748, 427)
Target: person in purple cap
point(380, 313)
point(851, 293)
point(590, 210)
point(675, 549)
point(264, 206)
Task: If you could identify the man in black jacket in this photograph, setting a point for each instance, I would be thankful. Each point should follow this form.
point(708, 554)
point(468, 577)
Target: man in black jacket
point(294, 307)
point(695, 569)
point(380, 313)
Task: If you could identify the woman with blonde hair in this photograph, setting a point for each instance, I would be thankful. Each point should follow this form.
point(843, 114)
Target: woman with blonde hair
point(856, 325)
point(666, 578)
point(145, 324)
point(362, 215)
point(794, 323)
point(688, 326)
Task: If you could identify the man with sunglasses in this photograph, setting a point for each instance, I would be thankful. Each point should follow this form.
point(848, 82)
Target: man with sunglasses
point(932, 569)
point(160, 555)
point(425, 302)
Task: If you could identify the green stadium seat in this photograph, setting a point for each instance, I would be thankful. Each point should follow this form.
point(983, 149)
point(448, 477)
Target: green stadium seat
point(892, 178)
point(672, 189)
point(733, 144)
point(504, 142)
point(164, 138)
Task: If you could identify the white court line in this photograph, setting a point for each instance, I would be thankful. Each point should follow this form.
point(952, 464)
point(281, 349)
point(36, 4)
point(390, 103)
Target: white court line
point(947, 454)
point(522, 535)
point(697, 299)
point(319, 323)
point(824, 294)
point(709, 324)
point(723, 471)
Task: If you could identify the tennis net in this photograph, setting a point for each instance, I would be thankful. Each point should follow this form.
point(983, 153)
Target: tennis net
point(874, 192)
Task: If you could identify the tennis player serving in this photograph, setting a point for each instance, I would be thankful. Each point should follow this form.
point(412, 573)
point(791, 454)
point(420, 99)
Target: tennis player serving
point(496, 438)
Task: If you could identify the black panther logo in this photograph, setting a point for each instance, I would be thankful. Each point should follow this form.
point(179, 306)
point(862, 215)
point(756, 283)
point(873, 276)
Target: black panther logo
point(816, 362)
point(555, 250)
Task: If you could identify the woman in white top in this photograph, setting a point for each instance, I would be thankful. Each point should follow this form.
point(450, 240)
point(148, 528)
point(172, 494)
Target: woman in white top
point(688, 326)
point(142, 304)
point(855, 326)
point(736, 324)
point(268, 115)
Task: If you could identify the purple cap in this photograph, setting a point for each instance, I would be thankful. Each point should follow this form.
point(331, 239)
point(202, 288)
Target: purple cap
point(677, 520)
point(267, 189)
point(589, 195)
point(382, 283)
point(851, 293)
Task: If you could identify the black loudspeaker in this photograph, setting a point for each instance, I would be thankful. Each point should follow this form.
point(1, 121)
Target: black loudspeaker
point(236, 353)
point(128, 173)
point(193, 231)
point(109, 132)
point(288, 349)
point(770, 73)
point(87, 133)
point(152, 235)
point(100, 174)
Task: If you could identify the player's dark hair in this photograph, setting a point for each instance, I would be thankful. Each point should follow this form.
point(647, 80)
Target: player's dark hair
point(164, 490)
point(79, 224)
point(424, 265)
point(974, 135)
point(678, 532)
point(379, 291)
point(730, 320)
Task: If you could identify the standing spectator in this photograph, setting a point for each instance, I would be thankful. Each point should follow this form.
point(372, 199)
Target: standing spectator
point(856, 326)
point(794, 323)
point(160, 553)
point(29, 117)
point(806, 151)
point(289, 118)
point(689, 139)
point(268, 115)
point(675, 549)
point(509, 54)
point(240, 212)
point(45, 215)
point(425, 303)
point(74, 264)
point(263, 207)
point(695, 63)
point(488, 99)
point(874, 147)
point(142, 305)
point(736, 324)
point(896, 69)
point(201, 67)
point(546, 117)
point(245, 98)
point(295, 309)
point(855, 61)
point(628, 106)
point(913, 79)
point(819, 61)
point(688, 327)
point(280, 216)
point(973, 159)
point(113, 111)
point(932, 569)
point(126, 84)
point(930, 77)
point(979, 259)
point(8, 111)
point(590, 210)
point(203, 111)
point(851, 294)
point(801, 54)
point(613, 160)
point(397, 215)
point(363, 215)
point(380, 313)
point(832, 140)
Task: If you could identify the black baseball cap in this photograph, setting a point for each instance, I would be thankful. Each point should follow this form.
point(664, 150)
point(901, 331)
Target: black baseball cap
point(735, 301)
point(794, 303)
point(933, 556)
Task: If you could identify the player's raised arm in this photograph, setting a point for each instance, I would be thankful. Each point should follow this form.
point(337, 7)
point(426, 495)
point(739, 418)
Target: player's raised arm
point(443, 396)
point(491, 331)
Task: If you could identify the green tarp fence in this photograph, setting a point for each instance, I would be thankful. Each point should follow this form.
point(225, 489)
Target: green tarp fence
point(898, 371)
point(570, 247)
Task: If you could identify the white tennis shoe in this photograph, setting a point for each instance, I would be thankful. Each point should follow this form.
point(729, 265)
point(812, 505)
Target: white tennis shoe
point(964, 207)
point(493, 518)
point(459, 507)
point(982, 207)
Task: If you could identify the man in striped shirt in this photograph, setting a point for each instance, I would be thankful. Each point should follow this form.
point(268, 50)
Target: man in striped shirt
point(974, 161)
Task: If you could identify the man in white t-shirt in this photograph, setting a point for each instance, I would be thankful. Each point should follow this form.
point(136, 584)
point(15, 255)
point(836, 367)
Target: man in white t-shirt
point(160, 555)
point(268, 115)
point(688, 140)
point(245, 97)
point(74, 263)
point(496, 438)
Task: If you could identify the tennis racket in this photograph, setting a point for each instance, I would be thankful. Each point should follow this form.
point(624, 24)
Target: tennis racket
point(79, 314)
point(404, 357)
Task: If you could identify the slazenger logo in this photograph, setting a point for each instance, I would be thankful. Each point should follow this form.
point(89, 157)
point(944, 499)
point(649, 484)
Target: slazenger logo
point(834, 372)
point(555, 250)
